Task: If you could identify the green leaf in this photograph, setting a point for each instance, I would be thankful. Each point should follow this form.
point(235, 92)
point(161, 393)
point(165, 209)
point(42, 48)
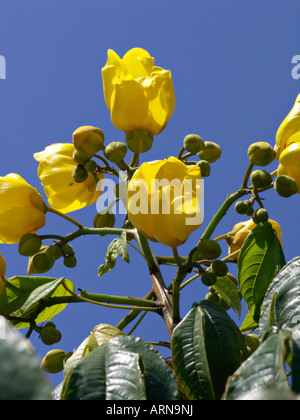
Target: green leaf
point(125, 379)
point(20, 374)
point(249, 324)
point(264, 369)
point(23, 296)
point(118, 247)
point(282, 302)
point(222, 344)
point(189, 357)
point(227, 291)
point(259, 261)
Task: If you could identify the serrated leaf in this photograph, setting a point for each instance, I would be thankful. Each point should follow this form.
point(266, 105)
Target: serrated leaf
point(227, 291)
point(189, 357)
point(20, 374)
point(282, 301)
point(222, 344)
point(265, 368)
point(118, 247)
point(259, 261)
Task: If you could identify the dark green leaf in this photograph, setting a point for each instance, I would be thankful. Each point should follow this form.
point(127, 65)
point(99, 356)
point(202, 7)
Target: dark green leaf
point(20, 374)
point(265, 368)
point(222, 343)
point(227, 291)
point(189, 357)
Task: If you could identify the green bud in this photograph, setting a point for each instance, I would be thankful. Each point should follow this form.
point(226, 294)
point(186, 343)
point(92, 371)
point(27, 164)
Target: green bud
point(232, 278)
point(209, 279)
point(261, 179)
point(29, 245)
point(285, 186)
point(260, 216)
point(261, 154)
point(50, 336)
point(211, 152)
point(68, 250)
point(80, 174)
point(70, 261)
point(209, 249)
point(40, 262)
point(80, 157)
point(242, 207)
point(193, 143)
point(213, 297)
point(139, 141)
point(219, 268)
point(204, 168)
point(53, 362)
point(115, 151)
point(54, 252)
point(49, 324)
point(90, 166)
point(103, 220)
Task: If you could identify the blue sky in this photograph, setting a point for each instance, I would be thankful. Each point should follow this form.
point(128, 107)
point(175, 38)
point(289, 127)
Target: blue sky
point(231, 63)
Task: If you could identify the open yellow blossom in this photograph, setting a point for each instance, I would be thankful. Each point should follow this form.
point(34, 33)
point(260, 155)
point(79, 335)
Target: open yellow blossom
point(55, 172)
point(164, 201)
point(237, 237)
point(22, 209)
point(289, 130)
point(138, 94)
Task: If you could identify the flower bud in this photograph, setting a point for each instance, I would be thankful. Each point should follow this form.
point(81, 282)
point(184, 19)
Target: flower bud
point(29, 245)
point(209, 249)
point(209, 279)
point(232, 278)
point(260, 216)
point(80, 157)
point(88, 139)
point(193, 143)
point(70, 261)
point(261, 179)
point(68, 250)
point(80, 174)
point(213, 297)
point(139, 141)
point(242, 207)
point(115, 151)
point(50, 335)
point(103, 220)
point(261, 154)
point(285, 186)
point(90, 166)
point(211, 152)
point(54, 252)
point(219, 268)
point(204, 168)
point(53, 362)
point(40, 262)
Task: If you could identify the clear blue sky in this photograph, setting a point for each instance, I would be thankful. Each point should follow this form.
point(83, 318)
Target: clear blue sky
point(231, 67)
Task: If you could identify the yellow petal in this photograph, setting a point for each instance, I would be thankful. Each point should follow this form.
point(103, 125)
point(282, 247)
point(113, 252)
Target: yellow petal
point(289, 127)
point(138, 62)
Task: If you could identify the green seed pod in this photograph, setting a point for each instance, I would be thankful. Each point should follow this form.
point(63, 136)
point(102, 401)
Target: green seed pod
point(70, 261)
point(261, 179)
point(50, 336)
point(90, 166)
point(49, 324)
point(261, 154)
point(80, 157)
point(260, 216)
point(193, 143)
point(213, 297)
point(204, 168)
point(88, 139)
point(219, 268)
point(209, 249)
point(209, 279)
point(242, 207)
point(54, 252)
point(103, 220)
point(80, 174)
point(211, 152)
point(40, 262)
point(68, 250)
point(115, 151)
point(139, 141)
point(53, 362)
point(29, 245)
point(285, 186)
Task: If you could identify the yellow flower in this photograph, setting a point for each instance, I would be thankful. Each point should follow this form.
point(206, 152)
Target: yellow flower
point(22, 209)
point(290, 163)
point(55, 172)
point(289, 130)
point(138, 94)
point(164, 200)
point(2, 266)
point(237, 237)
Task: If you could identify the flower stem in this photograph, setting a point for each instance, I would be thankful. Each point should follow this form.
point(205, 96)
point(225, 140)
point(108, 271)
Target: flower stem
point(64, 216)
